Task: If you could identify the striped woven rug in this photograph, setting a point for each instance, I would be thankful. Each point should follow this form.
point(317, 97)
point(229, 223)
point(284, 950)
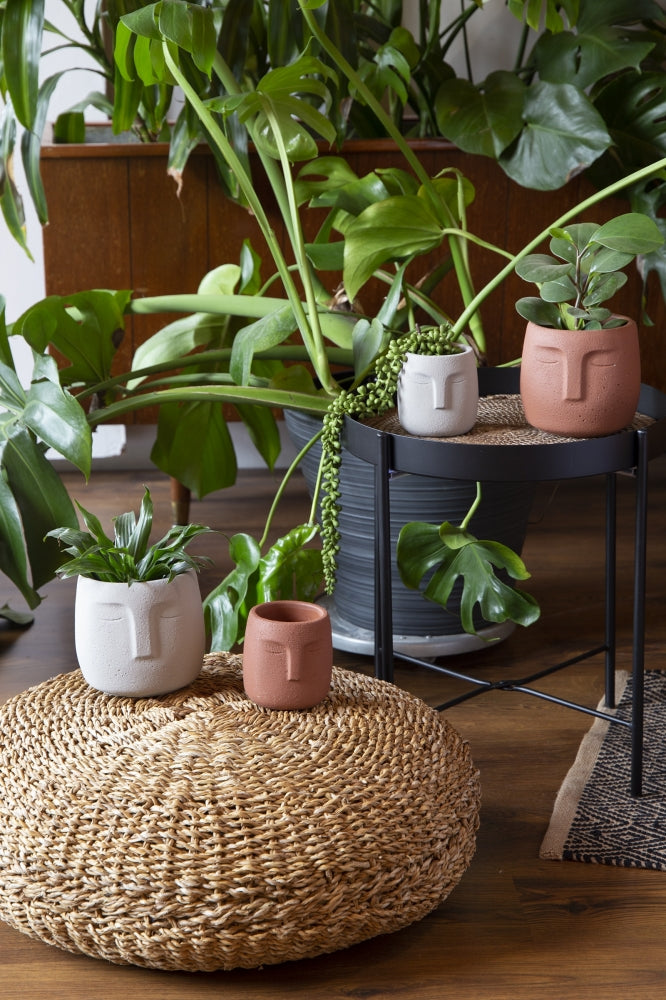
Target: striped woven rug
point(595, 819)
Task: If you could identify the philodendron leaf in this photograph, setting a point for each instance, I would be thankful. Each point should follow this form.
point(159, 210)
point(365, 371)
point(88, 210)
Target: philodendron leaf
point(223, 606)
point(481, 119)
point(453, 553)
point(193, 445)
point(289, 569)
point(563, 134)
point(86, 327)
point(393, 229)
point(582, 58)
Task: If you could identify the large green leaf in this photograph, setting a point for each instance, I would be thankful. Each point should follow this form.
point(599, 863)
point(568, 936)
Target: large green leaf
point(285, 105)
point(634, 109)
point(390, 230)
point(594, 15)
point(263, 430)
point(53, 415)
point(453, 553)
point(224, 606)
point(481, 119)
point(289, 570)
point(584, 58)
point(13, 556)
point(563, 134)
point(265, 333)
point(41, 498)
point(22, 28)
point(86, 328)
point(193, 445)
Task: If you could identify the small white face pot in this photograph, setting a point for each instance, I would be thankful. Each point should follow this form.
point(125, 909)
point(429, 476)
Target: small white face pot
point(438, 395)
point(141, 639)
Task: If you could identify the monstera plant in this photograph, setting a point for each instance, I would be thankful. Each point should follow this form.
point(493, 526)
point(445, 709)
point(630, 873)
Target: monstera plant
point(586, 90)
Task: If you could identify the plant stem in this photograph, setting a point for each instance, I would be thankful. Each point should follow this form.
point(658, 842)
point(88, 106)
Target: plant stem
point(472, 511)
point(283, 484)
point(226, 150)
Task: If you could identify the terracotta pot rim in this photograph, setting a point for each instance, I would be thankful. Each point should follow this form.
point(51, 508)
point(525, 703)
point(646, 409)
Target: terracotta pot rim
point(294, 612)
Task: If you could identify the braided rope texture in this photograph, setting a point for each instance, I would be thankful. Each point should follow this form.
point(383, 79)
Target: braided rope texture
point(196, 831)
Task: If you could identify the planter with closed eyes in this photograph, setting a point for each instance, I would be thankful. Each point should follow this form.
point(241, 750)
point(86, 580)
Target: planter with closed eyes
point(438, 394)
point(142, 639)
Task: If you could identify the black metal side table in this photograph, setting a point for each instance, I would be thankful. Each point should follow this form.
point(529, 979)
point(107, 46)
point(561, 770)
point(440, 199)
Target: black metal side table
point(627, 451)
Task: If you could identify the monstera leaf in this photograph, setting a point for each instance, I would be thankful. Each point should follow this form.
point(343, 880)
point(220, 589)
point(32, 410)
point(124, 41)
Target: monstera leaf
point(454, 553)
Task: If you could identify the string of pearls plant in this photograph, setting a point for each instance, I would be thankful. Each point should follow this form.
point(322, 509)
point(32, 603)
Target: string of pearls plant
point(366, 400)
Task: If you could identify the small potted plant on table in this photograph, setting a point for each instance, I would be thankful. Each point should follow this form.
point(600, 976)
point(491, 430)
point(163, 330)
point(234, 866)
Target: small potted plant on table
point(139, 625)
point(581, 370)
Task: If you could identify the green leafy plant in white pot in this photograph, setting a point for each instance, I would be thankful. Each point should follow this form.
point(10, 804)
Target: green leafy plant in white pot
point(139, 626)
point(581, 370)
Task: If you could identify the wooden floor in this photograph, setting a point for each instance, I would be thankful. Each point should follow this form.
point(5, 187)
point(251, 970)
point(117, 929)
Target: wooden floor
point(516, 927)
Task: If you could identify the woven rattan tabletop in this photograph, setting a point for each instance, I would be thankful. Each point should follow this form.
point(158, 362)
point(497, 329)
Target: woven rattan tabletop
point(196, 831)
point(500, 421)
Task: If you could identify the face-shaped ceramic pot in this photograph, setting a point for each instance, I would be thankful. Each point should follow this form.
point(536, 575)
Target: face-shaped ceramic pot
point(438, 395)
point(580, 383)
point(142, 639)
point(287, 654)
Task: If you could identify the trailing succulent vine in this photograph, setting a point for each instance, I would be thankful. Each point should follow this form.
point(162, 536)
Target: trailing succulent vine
point(366, 400)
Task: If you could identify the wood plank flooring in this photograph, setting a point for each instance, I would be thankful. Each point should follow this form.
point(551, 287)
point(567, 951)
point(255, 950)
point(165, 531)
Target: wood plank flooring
point(516, 927)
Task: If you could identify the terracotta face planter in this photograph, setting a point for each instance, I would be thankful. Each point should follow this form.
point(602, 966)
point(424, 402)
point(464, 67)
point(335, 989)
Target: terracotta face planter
point(580, 383)
point(438, 395)
point(139, 640)
point(287, 654)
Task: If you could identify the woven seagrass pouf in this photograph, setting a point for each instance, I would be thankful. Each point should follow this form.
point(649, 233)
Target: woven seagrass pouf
point(195, 831)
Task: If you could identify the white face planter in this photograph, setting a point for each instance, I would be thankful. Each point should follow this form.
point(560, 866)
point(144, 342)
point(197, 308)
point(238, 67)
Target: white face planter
point(438, 395)
point(139, 640)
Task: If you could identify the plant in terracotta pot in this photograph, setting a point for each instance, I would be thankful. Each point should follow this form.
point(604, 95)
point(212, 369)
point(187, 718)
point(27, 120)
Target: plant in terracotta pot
point(580, 372)
point(139, 627)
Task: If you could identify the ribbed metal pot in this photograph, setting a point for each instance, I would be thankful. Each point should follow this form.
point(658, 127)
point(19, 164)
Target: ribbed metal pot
point(502, 516)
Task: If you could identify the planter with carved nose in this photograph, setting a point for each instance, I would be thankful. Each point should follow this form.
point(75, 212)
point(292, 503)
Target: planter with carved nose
point(580, 383)
point(287, 654)
point(141, 639)
point(438, 395)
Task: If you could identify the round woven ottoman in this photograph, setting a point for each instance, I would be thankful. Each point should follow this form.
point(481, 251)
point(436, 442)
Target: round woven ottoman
point(195, 831)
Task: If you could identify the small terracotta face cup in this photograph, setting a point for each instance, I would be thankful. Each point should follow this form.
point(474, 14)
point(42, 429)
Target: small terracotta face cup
point(287, 655)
